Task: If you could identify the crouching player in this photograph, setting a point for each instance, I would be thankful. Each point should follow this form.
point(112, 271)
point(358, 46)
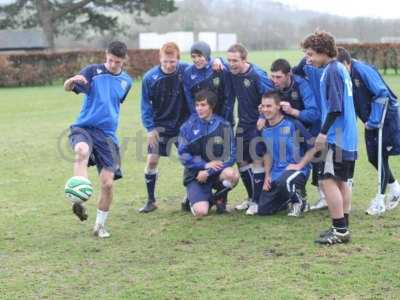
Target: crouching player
point(286, 162)
point(207, 150)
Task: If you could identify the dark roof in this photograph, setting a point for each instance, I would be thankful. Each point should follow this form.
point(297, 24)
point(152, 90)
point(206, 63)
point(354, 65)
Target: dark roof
point(22, 39)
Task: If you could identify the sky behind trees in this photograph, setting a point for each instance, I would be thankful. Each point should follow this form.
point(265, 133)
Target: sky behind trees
point(355, 8)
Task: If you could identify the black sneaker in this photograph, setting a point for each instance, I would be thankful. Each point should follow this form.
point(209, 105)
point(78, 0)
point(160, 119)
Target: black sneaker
point(334, 237)
point(149, 207)
point(80, 211)
point(220, 204)
point(185, 205)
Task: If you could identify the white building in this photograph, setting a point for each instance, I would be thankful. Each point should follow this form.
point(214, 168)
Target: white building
point(217, 41)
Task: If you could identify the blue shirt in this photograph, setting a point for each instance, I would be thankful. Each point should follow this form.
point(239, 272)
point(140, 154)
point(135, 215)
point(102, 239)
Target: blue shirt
point(202, 141)
point(370, 93)
point(301, 97)
point(104, 93)
point(248, 89)
point(286, 143)
point(163, 103)
point(313, 76)
point(206, 78)
point(337, 96)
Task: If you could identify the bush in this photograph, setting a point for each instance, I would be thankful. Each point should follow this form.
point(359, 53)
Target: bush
point(41, 68)
point(383, 55)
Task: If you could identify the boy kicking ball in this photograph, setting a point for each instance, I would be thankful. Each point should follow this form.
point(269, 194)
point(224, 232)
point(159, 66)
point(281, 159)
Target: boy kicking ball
point(93, 135)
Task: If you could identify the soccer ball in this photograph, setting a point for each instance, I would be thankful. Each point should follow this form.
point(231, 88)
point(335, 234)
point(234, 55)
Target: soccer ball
point(78, 189)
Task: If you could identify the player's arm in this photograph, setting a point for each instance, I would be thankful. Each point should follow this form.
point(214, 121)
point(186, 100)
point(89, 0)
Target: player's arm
point(310, 113)
point(305, 160)
point(71, 82)
point(128, 88)
point(147, 114)
point(335, 94)
point(228, 142)
point(378, 88)
point(187, 85)
point(307, 141)
point(219, 64)
point(229, 102)
point(299, 69)
point(267, 162)
point(81, 83)
point(185, 156)
point(264, 84)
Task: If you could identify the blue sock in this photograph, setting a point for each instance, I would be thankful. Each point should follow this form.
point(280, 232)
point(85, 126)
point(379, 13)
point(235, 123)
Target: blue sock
point(151, 179)
point(247, 177)
point(340, 224)
point(259, 175)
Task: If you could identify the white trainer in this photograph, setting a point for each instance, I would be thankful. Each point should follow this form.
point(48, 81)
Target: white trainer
point(393, 196)
point(296, 210)
point(252, 210)
point(320, 204)
point(100, 231)
point(377, 205)
point(244, 205)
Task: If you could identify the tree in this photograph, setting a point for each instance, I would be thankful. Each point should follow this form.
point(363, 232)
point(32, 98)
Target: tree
point(53, 15)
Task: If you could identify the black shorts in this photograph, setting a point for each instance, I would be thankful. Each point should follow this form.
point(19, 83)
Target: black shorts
point(316, 167)
point(164, 145)
point(341, 170)
point(104, 153)
point(198, 192)
point(283, 191)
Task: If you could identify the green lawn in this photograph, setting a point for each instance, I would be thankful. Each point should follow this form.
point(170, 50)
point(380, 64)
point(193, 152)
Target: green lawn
point(45, 252)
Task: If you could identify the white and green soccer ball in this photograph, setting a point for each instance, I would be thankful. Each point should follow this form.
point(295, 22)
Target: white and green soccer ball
point(78, 189)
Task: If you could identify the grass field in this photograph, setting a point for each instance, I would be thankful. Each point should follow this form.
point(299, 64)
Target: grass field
point(46, 253)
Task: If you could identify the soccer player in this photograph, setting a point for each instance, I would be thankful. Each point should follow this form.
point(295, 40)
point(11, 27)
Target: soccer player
point(298, 101)
point(338, 134)
point(93, 135)
point(249, 83)
point(286, 151)
point(201, 75)
point(371, 94)
point(163, 111)
point(207, 150)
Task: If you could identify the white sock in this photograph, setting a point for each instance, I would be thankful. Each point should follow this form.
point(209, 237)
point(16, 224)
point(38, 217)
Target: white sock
point(101, 217)
point(321, 193)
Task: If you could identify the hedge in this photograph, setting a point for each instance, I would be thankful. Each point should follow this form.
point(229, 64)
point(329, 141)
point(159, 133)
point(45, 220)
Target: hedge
point(41, 68)
point(383, 55)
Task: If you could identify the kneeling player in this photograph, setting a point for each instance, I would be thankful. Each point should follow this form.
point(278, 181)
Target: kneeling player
point(207, 150)
point(286, 161)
